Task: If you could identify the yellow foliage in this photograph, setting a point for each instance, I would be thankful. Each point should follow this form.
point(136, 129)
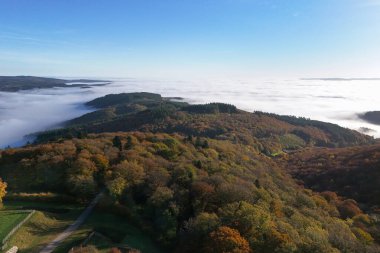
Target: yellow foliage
point(3, 187)
point(363, 236)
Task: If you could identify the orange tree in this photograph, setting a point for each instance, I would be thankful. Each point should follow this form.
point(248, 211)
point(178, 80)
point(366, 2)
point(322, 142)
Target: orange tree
point(226, 239)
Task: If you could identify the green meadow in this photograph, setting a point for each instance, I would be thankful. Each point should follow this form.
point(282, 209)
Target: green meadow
point(8, 220)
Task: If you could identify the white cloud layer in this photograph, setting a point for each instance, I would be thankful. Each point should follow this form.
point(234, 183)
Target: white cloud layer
point(333, 101)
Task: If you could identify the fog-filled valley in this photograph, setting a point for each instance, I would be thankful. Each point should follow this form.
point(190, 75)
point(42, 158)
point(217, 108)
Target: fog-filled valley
point(337, 101)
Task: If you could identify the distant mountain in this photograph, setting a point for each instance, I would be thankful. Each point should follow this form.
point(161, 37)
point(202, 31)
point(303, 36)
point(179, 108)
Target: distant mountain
point(17, 83)
point(371, 117)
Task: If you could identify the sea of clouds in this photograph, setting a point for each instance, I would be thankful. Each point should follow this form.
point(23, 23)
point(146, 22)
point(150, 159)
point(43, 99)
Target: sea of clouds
point(339, 102)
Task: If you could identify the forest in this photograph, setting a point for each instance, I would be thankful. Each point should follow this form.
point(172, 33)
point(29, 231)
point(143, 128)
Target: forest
point(210, 178)
point(17, 83)
point(352, 172)
point(150, 112)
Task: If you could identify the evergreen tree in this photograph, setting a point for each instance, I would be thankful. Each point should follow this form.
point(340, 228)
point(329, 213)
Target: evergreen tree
point(117, 143)
point(205, 144)
point(129, 143)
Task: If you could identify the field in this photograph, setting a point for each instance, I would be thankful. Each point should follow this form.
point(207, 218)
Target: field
point(49, 220)
point(113, 230)
point(8, 220)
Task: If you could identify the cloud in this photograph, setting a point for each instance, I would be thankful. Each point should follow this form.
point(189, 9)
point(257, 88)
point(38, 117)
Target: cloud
point(26, 112)
point(23, 113)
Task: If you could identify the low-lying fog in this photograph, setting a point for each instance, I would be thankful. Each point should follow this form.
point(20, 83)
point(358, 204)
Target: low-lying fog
point(339, 102)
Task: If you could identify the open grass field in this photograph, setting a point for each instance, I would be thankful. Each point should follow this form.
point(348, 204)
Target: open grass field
point(116, 229)
point(8, 220)
point(49, 220)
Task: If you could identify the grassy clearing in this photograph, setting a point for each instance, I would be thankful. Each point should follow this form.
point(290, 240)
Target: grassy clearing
point(52, 218)
point(43, 226)
point(8, 220)
point(117, 230)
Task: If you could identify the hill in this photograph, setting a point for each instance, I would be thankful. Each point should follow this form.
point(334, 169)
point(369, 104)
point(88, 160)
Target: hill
point(209, 178)
point(17, 83)
point(371, 117)
point(193, 194)
point(353, 172)
point(269, 133)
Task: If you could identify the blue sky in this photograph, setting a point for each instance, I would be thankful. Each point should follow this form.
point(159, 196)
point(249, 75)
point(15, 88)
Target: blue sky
point(190, 38)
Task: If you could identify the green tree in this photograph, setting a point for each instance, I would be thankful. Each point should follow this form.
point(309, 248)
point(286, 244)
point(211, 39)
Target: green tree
point(202, 225)
point(116, 187)
point(205, 144)
point(252, 221)
point(161, 196)
point(129, 144)
point(117, 143)
point(82, 186)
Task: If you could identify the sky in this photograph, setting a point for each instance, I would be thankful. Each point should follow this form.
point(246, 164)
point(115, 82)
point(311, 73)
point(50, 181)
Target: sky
point(190, 38)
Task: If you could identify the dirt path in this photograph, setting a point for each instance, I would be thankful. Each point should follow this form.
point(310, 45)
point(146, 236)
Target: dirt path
point(84, 215)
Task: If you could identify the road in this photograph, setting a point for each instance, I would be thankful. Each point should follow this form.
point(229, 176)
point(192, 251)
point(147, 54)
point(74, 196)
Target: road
point(79, 221)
